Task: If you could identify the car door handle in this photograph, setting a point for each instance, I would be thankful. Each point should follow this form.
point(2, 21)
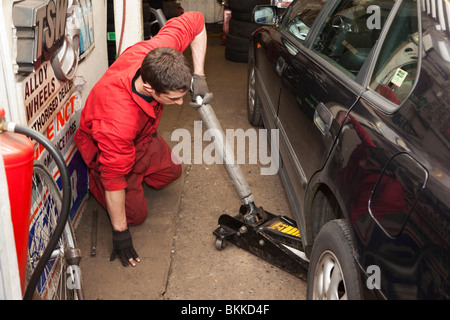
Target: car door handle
point(323, 118)
point(280, 66)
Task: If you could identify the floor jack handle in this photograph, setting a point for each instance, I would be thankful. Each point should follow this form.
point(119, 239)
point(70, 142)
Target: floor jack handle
point(252, 229)
point(224, 149)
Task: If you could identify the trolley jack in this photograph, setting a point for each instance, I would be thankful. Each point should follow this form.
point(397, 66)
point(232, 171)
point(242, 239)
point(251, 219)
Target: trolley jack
point(275, 239)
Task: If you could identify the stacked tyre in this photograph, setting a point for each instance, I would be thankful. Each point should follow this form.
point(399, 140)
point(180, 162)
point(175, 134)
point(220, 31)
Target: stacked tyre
point(240, 28)
point(150, 25)
point(171, 9)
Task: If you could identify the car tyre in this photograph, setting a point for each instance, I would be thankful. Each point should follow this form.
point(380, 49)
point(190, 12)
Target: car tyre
point(253, 104)
point(236, 48)
point(333, 273)
point(238, 44)
point(235, 55)
point(246, 5)
point(242, 29)
point(242, 16)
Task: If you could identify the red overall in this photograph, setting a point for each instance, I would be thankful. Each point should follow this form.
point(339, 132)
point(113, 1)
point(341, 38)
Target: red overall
point(117, 136)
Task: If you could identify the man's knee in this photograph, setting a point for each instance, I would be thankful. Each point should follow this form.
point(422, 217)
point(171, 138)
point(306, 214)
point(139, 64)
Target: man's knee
point(177, 170)
point(136, 215)
point(164, 177)
point(136, 219)
point(135, 202)
point(173, 173)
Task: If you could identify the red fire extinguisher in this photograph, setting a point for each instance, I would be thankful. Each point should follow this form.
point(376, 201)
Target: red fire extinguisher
point(18, 152)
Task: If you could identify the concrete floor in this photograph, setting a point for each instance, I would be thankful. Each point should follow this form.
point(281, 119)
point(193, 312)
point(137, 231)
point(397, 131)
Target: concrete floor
point(175, 243)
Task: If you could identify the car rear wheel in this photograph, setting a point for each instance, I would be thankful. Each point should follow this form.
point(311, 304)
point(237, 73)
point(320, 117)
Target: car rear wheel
point(253, 105)
point(333, 274)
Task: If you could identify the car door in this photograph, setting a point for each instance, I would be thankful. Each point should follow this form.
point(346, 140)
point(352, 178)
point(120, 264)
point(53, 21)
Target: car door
point(268, 81)
point(271, 55)
point(320, 84)
point(398, 189)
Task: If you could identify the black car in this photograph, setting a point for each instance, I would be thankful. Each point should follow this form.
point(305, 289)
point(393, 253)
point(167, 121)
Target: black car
point(360, 93)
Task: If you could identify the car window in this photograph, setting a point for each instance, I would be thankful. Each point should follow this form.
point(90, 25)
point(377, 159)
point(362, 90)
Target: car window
point(302, 16)
point(350, 32)
point(396, 67)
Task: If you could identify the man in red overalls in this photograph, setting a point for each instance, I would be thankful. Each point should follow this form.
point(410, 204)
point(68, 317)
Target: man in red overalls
point(118, 137)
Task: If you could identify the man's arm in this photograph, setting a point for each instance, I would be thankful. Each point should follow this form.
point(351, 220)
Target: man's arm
point(115, 202)
point(198, 49)
point(179, 32)
point(199, 87)
point(122, 243)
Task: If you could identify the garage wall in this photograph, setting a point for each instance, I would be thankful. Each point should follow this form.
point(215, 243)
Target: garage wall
point(91, 68)
point(40, 96)
point(96, 63)
point(133, 23)
point(211, 9)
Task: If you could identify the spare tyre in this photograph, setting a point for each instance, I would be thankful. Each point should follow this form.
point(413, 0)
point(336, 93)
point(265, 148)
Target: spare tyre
point(237, 43)
point(245, 5)
point(236, 48)
point(242, 29)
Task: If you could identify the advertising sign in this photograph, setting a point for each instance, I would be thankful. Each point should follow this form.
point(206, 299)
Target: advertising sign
point(44, 95)
point(47, 45)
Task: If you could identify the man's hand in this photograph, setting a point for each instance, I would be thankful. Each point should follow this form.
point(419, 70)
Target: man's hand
point(123, 247)
point(200, 101)
point(199, 87)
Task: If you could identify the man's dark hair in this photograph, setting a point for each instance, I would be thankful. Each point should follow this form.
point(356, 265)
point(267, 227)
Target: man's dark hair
point(166, 69)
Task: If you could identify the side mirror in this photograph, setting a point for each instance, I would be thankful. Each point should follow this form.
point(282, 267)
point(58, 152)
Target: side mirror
point(265, 15)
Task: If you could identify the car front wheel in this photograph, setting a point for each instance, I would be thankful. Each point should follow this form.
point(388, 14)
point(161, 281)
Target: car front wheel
point(333, 274)
point(253, 105)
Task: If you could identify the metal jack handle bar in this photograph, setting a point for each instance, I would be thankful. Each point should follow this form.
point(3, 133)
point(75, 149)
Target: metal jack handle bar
point(67, 196)
point(234, 171)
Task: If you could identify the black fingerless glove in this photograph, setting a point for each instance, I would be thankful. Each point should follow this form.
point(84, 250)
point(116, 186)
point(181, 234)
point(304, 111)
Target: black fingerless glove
point(123, 247)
